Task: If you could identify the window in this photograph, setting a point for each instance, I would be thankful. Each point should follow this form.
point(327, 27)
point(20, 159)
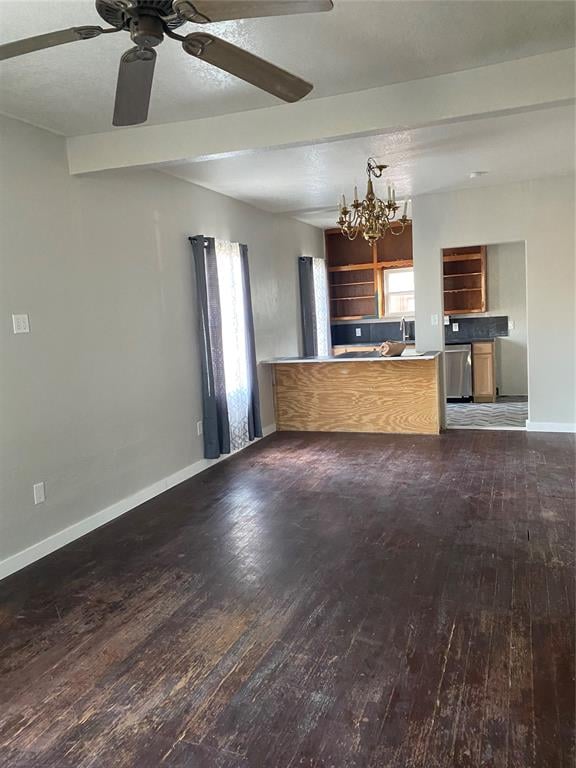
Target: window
point(399, 292)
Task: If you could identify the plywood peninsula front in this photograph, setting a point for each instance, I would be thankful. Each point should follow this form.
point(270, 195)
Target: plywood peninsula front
point(374, 394)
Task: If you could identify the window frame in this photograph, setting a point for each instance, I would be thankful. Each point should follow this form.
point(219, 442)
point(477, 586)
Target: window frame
point(387, 293)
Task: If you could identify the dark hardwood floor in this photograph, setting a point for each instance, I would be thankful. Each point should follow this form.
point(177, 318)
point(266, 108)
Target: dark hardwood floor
point(336, 601)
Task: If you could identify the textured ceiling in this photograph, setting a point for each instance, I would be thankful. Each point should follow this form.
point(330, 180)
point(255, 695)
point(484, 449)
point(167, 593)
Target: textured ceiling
point(359, 45)
point(307, 181)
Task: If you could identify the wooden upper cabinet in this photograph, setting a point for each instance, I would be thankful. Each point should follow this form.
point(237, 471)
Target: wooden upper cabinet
point(355, 268)
point(465, 280)
point(340, 251)
point(395, 248)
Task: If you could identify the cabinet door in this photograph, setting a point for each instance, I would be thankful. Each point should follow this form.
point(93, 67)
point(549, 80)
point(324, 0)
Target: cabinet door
point(483, 371)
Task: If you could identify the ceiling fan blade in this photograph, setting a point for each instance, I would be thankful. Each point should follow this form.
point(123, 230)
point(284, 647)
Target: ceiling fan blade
point(49, 40)
point(246, 66)
point(134, 86)
point(206, 11)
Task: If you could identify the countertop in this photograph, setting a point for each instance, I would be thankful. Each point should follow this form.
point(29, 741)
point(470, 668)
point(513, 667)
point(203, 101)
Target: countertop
point(410, 343)
point(353, 357)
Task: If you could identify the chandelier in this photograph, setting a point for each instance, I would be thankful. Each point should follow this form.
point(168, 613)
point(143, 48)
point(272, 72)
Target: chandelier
point(372, 217)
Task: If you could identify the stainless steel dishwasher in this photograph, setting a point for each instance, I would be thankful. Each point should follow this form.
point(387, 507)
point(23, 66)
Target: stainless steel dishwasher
point(458, 371)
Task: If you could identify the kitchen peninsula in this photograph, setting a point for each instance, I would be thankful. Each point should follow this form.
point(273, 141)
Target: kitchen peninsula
point(358, 393)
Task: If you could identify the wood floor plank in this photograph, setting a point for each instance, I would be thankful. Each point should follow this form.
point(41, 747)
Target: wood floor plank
point(342, 600)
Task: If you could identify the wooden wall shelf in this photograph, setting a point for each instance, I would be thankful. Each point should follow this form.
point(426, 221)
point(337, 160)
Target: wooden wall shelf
point(462, 274)
point(350, 267)
point(351, 298)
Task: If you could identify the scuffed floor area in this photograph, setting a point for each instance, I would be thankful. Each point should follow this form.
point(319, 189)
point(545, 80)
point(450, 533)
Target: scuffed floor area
point(317, 601)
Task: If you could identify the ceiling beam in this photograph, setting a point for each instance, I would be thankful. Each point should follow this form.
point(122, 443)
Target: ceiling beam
point(525, 84)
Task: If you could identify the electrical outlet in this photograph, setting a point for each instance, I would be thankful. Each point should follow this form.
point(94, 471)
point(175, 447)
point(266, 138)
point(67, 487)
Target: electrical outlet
point(455, 327)
point(20, 324)
point(510, 325)
point(446, 320)
point(358, 331)
point(433, 319)
point(199, 428)
point(39, 493)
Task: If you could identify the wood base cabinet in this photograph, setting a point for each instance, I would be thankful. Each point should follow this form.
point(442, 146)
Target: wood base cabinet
point(386, 395)
point(484, 379)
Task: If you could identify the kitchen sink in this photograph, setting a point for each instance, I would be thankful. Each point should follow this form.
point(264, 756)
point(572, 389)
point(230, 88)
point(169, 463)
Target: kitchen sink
point(354, 355)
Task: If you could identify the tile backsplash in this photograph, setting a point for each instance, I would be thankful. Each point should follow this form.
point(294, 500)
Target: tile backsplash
point(371, 332)
point(476, 328)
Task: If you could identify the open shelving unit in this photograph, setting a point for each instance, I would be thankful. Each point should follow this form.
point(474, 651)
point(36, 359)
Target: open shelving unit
point(352, 292)
point(355, 272)
point(355, 275)
point(464, 280)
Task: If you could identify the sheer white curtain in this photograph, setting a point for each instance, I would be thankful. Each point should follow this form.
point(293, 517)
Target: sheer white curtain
point(233, 311)
point(322, 311)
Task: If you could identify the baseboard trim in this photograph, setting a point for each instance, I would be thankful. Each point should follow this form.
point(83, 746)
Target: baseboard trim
point(550, 426)
point(498, 428)
point(58, 540)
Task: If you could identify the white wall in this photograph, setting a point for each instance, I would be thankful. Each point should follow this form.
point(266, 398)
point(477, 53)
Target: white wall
point(506, 288)
point(541, 213)
point(103, 396)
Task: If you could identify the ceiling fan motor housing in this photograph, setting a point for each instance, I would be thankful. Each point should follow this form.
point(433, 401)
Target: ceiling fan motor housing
point(146, 31)
point(119, 13)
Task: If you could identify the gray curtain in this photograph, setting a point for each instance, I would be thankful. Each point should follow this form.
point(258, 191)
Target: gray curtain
point(216, 426)
point(254, 420)
point(307, 307)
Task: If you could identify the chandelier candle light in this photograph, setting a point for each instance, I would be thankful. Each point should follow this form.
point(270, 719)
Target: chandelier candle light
point(372, 217)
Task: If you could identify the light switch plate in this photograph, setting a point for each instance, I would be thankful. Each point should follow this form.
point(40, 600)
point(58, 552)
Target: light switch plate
point(433, 319)
point(358, 331)
point(199, 428)
point(20, 323)
point(39, 493)
point(446, 320)
point(455, 326)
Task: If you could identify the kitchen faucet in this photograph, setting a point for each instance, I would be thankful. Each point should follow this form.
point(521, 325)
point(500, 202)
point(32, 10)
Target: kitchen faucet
point(404, 329)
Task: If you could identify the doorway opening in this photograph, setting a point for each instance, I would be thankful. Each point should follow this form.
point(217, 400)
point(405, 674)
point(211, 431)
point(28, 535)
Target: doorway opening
point(486, 354)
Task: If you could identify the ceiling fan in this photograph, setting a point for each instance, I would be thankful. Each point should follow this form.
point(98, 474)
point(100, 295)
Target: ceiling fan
point(147, 21)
